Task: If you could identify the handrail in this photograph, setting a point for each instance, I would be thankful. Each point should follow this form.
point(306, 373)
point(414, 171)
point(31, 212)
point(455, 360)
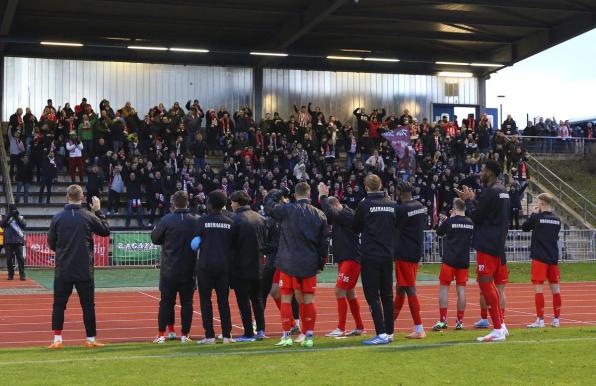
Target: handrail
point(5, 171)
point(586, 206)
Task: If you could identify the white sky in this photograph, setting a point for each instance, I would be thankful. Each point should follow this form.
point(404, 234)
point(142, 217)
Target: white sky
point(559, 82)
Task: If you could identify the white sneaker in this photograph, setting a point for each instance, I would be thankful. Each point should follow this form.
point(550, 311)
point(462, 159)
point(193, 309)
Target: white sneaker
point(555, 323)
point(160, 340)
point(206, 341)
point(336, 333)
point(390, 337)
point(229, 340)
point(185, 339)
point(504, 329)
point(220, 337)
point(356, 332)
point(539, 323)
point(300, 338)
point(494, 336)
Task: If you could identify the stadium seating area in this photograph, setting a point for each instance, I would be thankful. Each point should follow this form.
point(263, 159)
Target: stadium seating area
point(135, 162)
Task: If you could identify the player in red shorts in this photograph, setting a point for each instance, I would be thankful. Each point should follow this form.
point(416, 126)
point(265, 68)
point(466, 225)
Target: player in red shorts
point(302, 247)
point(346, 253)
point(457, 231)
point(411, 221)
point(501, 278)
point(490, 214)
point(544, 251)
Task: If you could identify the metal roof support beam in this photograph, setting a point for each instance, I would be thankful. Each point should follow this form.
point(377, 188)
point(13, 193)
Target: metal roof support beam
point(297, 27)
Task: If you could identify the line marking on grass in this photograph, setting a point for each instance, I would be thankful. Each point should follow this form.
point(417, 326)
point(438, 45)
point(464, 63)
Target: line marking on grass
point(288, 351)
point(194, 312)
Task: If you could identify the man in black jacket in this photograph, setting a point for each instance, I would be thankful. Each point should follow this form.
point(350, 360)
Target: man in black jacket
point(376, 222)
point(213, 266)
point(248, 239)
point(302, 248)
point(133, 194)
point(174, 233)
point(71, 237)
point(48, 174)
point(490, 214)
point(544, 251)
point(14, 239)
point(346, 252)
point(409, 246)
point(457, 231)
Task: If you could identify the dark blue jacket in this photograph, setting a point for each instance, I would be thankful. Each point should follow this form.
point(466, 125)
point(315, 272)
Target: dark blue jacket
point(457, 235)
point(248, 239)
point(411, 222)
point(545, 229)
point(215, 230)
point(376, 220)
point(344, 240)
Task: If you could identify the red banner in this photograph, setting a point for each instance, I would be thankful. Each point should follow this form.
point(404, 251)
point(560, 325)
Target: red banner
point(38, 253)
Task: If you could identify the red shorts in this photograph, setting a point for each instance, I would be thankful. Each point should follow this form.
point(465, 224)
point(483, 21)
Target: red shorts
point(347, 274)
point(288, 283)
point(276, 276)
point(405, 273)
point(448, 273)
point(502, 275)
point(487, 265)
point(541, 271)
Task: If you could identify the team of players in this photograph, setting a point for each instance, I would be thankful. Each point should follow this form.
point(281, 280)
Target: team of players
point(379, 236)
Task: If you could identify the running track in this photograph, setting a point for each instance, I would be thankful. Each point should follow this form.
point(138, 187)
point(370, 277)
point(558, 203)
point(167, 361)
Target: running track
point(132, 316)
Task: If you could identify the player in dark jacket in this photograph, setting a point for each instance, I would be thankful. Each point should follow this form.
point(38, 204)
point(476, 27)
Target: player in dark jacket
point(490, 214)
point(411, 221)
point(14, 240)
point(375, 220)
point(174, 232)
point(457, 231)
point(346, 253)
point(301, 254)
point(71, 237)
point(544, 251)
point(248, 239)
point(213, 266)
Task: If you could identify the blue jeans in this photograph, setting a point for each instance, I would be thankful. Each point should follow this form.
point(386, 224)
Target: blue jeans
point(129, 210)
point(25, 187)
point(351, 157)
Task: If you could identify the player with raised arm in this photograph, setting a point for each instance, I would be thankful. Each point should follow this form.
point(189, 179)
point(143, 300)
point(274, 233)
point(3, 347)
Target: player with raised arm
point(411, 221)
point(457, 231)
point(490, 214)
point(544, 251)
point(346, 253)
point(375, 220)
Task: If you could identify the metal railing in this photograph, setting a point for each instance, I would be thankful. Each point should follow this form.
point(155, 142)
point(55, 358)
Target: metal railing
point(562, 190)
point(556, 145)
point(134, 249)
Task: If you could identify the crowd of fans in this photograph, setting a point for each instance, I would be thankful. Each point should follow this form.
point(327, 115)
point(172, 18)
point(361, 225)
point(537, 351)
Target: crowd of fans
point(146, 158)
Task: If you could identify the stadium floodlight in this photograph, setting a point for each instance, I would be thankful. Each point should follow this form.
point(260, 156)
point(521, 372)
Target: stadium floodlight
point(150, 48)
point(450, 74)
point(382, 60)
point(64, 44)
point(453, 63)
point(195, 50)
point(487, 65)
point(334, 57)
point(269, 53)
point(355, 50)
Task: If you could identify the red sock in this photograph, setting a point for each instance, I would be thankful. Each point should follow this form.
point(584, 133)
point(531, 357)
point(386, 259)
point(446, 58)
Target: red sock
point(460, 315)
point(278, 303)
point(491, 296)
point(286, 316)
point(171, 328)
point(557, 305)
point(302, 312)
point(342, 312)
point(161, 333)
point(539, 302)
point(398, 304)
point(355, 309)
point(310, 316)
point(484, 313)
point(414, 305)
point(443, 314)
point(57, 332)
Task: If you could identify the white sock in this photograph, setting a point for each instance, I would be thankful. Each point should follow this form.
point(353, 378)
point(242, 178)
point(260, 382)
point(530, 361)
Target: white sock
point(419, 328)
point(309, 333)
point(91, 339)
point(57, 338)
point(297, 322)
point(495, 331)
point(383, 336)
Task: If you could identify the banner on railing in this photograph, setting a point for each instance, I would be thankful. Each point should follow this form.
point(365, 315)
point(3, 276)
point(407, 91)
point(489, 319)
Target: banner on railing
point(38, 253)
point(134, 248)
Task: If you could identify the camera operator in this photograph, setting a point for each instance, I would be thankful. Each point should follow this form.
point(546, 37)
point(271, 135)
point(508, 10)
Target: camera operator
point(14, 239)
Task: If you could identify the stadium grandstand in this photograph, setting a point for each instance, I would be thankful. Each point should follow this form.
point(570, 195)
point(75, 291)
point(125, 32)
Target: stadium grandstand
point(137, 100)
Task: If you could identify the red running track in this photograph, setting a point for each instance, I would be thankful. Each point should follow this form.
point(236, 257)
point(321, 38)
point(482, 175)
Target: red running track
point(132, 316)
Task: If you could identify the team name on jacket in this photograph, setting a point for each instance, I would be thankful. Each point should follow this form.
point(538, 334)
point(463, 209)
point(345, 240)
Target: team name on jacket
point(217, 225)
point(376, 209)
point(545, 229)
